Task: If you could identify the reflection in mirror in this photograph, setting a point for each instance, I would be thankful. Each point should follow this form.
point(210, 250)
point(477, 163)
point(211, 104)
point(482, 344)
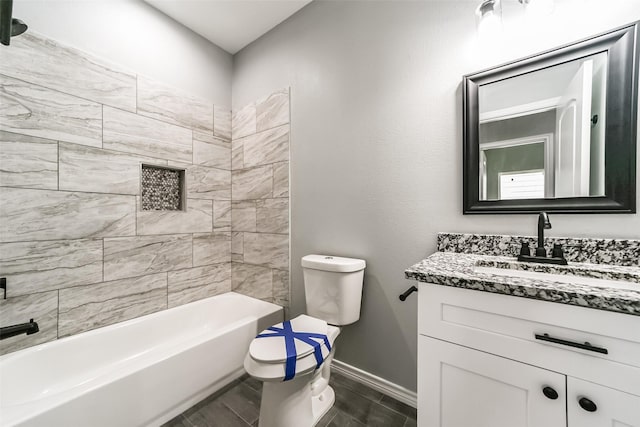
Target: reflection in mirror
point(541, 134)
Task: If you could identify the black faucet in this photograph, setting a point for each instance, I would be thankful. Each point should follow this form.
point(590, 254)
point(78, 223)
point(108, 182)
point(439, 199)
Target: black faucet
point(543, 224)
point(22, 328)
point(557, 255)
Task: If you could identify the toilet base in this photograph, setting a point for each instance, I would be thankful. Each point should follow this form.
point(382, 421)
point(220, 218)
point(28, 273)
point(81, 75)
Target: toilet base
point(301, 402)
point(322, 403)
point(291, 404)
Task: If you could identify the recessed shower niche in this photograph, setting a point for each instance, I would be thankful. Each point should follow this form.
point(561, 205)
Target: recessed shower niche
point(163, 189)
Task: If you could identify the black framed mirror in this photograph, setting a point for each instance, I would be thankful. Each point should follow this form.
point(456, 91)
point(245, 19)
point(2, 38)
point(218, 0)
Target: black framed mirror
point(556, 131)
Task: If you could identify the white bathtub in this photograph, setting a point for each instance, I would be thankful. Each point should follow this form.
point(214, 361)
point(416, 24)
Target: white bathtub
point(136, 373)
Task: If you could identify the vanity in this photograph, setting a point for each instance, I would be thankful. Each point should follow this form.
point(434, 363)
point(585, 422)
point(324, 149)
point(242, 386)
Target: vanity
point(508, 344)
point(552, 340)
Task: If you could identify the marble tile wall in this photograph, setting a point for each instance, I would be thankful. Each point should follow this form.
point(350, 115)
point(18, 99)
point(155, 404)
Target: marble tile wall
point(76, 248)
point(260, 199)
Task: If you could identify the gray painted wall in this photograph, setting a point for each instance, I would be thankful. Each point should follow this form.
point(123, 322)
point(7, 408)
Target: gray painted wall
point(376, 144)
point(135, 35)
point(509, 159)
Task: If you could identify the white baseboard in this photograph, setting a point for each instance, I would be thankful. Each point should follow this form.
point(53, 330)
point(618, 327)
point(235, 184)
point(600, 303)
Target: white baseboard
point(400, 393)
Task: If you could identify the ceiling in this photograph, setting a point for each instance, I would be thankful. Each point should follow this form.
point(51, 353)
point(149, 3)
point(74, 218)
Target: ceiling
point(230, 24)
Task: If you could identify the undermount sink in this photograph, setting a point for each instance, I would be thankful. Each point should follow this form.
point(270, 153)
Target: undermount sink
point(565, 277)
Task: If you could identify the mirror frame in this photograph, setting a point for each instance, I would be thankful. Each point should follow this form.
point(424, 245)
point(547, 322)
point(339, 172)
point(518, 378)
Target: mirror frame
point(620, 126)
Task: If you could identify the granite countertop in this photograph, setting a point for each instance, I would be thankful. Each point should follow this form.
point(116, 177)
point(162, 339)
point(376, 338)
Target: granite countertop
point(458, 270)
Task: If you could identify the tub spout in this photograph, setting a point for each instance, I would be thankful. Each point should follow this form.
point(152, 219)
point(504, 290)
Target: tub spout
point(23, 328)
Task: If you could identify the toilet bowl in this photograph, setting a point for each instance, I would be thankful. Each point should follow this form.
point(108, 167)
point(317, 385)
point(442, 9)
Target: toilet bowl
point(293, 358)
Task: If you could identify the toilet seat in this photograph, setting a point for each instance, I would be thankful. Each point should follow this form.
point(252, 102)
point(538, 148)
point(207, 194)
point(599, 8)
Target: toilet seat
point(267, 356)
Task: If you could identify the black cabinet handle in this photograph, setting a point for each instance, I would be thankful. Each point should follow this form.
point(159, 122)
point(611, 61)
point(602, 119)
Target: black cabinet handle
point(585, 346)
point(587, 404)
point(407, 293)
point(550, 393)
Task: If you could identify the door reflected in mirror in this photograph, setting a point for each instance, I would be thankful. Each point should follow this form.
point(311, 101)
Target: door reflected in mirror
point(542, 134)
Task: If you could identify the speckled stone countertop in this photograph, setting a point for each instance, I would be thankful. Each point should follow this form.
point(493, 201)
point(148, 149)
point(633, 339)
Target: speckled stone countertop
point(451, 266)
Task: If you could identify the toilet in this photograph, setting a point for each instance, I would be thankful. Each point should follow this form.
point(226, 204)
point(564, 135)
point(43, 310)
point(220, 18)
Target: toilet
point(293, 358)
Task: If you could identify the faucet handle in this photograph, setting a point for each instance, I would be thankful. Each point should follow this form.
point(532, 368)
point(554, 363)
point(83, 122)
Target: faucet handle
point(557, 251)
point(525, 249)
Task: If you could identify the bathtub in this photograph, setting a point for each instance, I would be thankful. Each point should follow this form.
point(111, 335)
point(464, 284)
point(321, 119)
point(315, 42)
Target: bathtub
point(141, 372)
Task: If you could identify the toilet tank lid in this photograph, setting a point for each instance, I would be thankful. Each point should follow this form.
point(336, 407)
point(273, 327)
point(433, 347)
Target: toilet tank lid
point(333, 263)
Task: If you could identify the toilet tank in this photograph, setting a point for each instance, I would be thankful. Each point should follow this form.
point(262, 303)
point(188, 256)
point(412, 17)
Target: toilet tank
point(333, 288)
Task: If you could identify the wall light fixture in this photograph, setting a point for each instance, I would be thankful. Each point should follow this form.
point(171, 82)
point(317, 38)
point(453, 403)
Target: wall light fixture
point(489, 18)
point(489, 14)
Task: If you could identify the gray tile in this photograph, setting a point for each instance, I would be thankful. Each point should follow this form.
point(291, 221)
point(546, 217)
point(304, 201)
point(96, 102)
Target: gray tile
point(40, 60)
point(270, 250)
point(237, 161)
point(280, 283)
point(222, 215)
point(384, 417)
point(411, 422)
point(211, 248)
point(101, 171)
point(342, 419)
point(351, 409)
point(341, 381)
point(273, 110)
point(197, 283)
point(272, 216)
point(37, 111)
point(237, 243)
point(222, 122)
point(243, 216)
point(251, 280)
point(328, 417)
point(255, 183)
point(41, 307)
point(398, 406)
point(253, 383)
point(52, 215)
point(179, 421)
point(32, 267)
point(211, 151)
point(266, 147)
point(215, 414)
point(84, 308)
point(198, 218)
point(281, 179)
point(352, 403)
point(243, 121)
point(137, 256)
point(131, 133)
point(171, 105)
point(28, 162)
point(208, 183)
point(366, 411)
point(244, 401)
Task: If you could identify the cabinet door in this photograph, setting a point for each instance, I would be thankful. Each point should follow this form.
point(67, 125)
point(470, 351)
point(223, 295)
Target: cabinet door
point(613, 408)
point(462, 387)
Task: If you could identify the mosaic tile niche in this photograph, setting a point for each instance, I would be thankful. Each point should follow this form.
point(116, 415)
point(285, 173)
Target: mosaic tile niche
point(162, 189)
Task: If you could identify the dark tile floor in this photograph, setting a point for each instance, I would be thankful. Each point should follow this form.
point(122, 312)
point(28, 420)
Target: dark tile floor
point(238, 405)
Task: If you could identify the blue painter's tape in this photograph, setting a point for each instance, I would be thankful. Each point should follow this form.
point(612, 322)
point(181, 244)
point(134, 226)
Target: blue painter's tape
point(289, 340)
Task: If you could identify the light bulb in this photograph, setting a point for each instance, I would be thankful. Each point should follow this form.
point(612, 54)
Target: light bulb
point(489, 15)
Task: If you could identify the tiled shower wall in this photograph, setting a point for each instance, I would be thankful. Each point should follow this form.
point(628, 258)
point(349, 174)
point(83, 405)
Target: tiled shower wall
point(76, 248)
point(260, 206)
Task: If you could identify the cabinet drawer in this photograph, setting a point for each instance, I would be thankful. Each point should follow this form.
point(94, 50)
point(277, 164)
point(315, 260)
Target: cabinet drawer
point(508, 326)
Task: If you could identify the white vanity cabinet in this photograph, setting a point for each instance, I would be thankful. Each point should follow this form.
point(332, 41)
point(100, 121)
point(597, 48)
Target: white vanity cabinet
point(481, 365)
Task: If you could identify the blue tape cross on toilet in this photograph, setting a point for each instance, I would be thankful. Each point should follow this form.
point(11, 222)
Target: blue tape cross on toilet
point(289, 339)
